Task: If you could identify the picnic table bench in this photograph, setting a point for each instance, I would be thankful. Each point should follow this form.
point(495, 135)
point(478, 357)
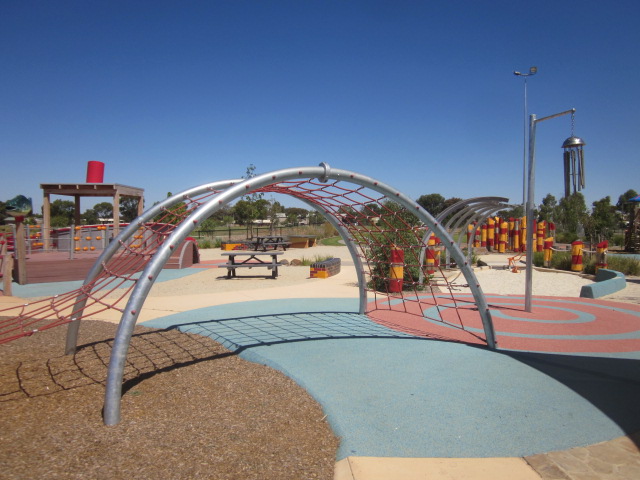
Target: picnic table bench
point(266, 242)
point(252, 259)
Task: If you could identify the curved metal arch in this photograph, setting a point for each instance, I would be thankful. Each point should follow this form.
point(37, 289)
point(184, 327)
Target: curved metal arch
point(477, 216)
point(130, 314)
point(461, 209)
point(118, 240)
point(483, 209)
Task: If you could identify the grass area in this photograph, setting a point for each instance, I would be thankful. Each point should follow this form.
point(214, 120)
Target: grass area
point(332, 241)
point(619, 263)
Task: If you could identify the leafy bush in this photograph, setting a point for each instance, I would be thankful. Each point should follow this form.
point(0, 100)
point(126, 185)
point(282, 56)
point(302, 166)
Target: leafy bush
point(617, 240)
point(317, 258)
point(566, 237)
point(624, 264)
point(205, 243)
point(562, 261)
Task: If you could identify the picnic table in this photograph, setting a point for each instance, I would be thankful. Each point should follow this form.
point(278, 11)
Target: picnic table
point(251, 259)
point(268, 241)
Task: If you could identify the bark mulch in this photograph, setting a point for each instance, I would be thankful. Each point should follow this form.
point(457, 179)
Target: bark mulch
point(191, 409)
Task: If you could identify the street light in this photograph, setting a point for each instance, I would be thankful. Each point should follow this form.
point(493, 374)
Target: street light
point(533, 121)
point(532, 71)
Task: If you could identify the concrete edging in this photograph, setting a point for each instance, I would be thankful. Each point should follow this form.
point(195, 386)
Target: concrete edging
point(606, 283)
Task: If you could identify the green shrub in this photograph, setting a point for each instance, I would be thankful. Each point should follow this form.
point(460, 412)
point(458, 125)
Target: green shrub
point(617, 240)
point(624, 264)
point(562, 261)
point(566, 237)
point(317, 258)
point(204, 244)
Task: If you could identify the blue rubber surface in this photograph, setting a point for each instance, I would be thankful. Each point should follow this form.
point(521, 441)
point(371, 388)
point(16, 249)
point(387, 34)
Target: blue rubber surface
point(56, 288)
point(389, 394)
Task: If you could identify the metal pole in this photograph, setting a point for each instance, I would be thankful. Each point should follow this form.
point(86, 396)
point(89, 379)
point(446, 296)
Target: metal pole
point(529, 210)
point(532, 71)
point(524, 147)
point(528, 287)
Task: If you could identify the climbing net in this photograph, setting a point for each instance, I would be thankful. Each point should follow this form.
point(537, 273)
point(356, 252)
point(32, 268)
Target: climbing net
point(408, 285)
point(110, 289)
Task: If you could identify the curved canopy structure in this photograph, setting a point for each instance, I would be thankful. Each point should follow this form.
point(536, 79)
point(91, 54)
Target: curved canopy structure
point(383, 229)
point(341, 196)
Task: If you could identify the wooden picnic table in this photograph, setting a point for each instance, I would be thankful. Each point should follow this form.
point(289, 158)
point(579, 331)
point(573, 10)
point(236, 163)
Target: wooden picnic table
point(251, 259)
point(268, 241)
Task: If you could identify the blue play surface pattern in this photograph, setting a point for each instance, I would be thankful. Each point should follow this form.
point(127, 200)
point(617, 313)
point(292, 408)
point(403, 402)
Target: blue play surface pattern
point(390, 394)
point(56, 288)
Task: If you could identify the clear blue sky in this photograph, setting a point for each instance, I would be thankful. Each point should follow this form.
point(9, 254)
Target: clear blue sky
point(421, 95)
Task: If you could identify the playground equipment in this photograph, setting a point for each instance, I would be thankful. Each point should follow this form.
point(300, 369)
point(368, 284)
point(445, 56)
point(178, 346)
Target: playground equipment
point(94, 187)
point(18, 207)
point(400, 222)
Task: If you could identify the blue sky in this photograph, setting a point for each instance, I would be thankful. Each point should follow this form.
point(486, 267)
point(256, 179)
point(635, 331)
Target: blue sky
point(421, 95)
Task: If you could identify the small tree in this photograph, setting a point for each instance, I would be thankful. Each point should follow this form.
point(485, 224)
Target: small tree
point(548, 208)
point(571, 213)
point(129, 208)
point(103, 210)
point(62, 212)
point(603, 220)
point(89, 217)
point(433, 203)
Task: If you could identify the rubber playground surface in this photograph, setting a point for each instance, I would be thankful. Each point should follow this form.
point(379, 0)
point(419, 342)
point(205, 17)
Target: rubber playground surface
point(565, 375)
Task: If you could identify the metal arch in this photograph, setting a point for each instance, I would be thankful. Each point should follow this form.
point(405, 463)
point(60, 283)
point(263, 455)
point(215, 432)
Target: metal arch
point(131, 312)
point(497, 202)
point(461, 208)
point(485, 209)
point(114, 245)
point(480, 214)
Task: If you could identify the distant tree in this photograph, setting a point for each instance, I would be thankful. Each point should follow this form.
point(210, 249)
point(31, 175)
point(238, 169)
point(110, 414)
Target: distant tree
point(432, 203)
point(603, 220)
point(89, 217)
point(3, 212)
point(129, 208)
point(244, 212)
point(571, 213)
point(299, 212)
point(516, 211)
point(315, 218)
point(221, 216)
point(548, 208)
point(103, 210)
point(627, 208)
point(449, 202)
point(623, 204)
point(262, 208)
point(62, 212)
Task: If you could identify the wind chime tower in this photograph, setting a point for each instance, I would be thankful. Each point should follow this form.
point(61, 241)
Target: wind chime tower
point(574, 174)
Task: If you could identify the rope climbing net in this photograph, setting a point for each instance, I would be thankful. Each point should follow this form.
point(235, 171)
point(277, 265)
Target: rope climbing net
point(110, 289)
point(405, 269)
point(402, 270)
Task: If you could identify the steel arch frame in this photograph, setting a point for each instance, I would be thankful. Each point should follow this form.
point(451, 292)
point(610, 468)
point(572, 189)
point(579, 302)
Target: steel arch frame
point(323, 173)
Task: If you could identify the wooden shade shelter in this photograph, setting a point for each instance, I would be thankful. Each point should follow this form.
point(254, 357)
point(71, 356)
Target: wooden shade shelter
point(78, 190)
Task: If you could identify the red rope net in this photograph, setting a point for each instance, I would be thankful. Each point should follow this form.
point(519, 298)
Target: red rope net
point(409, 287)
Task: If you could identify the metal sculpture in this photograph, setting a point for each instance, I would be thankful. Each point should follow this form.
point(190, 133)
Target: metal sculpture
point(574, 174)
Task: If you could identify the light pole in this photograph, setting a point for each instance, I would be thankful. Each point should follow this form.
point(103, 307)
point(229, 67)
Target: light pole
point(532, 71)
point(533, 121)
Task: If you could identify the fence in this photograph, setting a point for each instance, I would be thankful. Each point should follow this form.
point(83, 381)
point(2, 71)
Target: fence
point(236, 233)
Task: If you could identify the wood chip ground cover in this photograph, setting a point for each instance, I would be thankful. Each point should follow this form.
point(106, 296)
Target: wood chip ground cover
point(191, 409)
